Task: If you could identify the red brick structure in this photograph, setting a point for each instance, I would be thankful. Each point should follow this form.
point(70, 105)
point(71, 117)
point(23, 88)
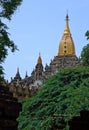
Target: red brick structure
point(9, 109)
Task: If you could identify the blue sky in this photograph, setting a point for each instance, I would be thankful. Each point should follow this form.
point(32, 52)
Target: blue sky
point(38, 25)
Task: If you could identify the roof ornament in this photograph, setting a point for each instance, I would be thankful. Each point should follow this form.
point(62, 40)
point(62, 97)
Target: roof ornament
point(39, 61)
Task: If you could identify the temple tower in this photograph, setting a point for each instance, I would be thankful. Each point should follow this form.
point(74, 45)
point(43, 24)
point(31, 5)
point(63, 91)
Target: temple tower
point(38, 73)
point(66, 56)
point(38, 69)
point(17, 76)
point(66, 46)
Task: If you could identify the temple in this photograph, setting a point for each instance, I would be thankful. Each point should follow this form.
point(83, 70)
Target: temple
point(66, 46)
point(66, 57)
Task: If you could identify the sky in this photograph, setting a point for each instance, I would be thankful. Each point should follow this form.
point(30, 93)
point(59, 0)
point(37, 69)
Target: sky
point(37, 27)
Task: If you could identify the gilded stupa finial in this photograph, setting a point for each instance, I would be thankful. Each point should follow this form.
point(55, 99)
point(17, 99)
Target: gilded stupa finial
point(67, 30)
point(39, 61)
point(67, 17)
point(66, 46)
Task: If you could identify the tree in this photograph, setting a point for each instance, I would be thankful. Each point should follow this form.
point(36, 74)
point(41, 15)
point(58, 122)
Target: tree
point(85, 55)
point(62, 97)
point(87, 35)
point(7, 9)
point(85, 51)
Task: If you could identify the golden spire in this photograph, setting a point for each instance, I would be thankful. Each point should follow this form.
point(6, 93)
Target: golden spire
point(39, 61)
point(66, 46)
point(67, 30)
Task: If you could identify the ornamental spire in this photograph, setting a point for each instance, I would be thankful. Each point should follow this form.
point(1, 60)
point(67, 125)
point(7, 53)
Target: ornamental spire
point(66, 46)
point(39, 61)
point(67, 30)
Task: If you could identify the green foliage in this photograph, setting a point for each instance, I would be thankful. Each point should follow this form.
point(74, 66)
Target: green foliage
point(62, 97)
point(5, 42)
point(85, 54)
point(87, 35)
point(85, 51)
point(7, 8)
